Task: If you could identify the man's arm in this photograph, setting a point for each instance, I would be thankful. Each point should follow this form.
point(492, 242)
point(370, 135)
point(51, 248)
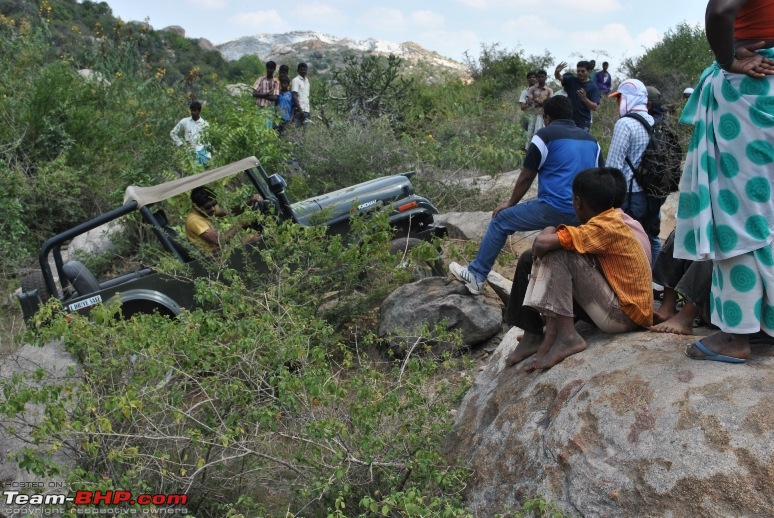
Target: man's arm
point(558, 71)
point(175, 133)
point(545, 242)
point(719, 23)
point(523, 183)
point(524, 98)
point(591, 105)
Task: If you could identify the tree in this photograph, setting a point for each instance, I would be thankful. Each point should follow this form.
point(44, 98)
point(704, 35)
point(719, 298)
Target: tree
point(373, 87)
point(499, 70)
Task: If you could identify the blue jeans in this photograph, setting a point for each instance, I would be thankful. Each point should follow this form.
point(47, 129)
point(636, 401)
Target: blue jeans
point(529, 215)
point(636, 205)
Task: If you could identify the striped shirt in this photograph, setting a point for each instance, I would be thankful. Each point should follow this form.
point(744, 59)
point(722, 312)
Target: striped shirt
point(621, 259)
point(264, 85)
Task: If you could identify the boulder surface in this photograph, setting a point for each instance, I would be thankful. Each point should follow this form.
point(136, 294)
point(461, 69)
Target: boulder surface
point(628, 427)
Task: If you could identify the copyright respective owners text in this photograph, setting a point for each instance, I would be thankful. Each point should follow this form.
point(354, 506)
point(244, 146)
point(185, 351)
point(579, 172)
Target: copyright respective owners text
point(54, 499)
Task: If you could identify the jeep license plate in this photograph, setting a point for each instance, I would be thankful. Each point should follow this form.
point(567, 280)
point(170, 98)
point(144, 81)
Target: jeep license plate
point(91, 301)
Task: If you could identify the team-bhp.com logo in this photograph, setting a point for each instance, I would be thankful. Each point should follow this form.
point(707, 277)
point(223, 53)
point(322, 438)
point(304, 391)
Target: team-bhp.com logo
point(97, 498)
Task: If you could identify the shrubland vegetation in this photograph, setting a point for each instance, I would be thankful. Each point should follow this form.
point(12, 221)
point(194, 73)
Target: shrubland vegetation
point(275, 396)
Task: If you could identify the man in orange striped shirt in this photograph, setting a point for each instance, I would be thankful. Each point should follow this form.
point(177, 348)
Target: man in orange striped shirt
point(599, 264)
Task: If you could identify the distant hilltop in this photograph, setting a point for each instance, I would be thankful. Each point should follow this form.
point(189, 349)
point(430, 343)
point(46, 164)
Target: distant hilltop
point(319, 46)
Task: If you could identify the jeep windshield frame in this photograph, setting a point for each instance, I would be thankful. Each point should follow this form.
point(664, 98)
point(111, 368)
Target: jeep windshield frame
point(140, 199)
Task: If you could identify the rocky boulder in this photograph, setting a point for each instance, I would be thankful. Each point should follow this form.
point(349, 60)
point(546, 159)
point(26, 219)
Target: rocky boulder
point(98, 241)
point(15, 434)
point(431, 301)
point(206, 45)
point(628, 427)
point(175, 29)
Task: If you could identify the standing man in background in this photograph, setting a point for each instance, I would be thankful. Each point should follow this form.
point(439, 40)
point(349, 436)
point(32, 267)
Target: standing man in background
point(603, 80)
point(537, 94)
point(266, 90)
point(299, 87)
point(192, 128)
point(582, 92)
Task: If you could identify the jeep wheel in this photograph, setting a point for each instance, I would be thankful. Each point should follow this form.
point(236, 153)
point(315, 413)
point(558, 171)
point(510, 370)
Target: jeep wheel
point(35, 281)
point(401, 247)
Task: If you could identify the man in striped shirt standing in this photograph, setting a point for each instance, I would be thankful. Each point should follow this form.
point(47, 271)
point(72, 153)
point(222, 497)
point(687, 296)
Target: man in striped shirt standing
point(265, 91)
point(598, 264)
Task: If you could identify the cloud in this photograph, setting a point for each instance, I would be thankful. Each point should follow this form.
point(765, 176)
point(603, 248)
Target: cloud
point(384, 20)
point(427, 20)
point(597, 6)
point(208, 5)
point(318, 15)
point(648, 38)
point(260, 21)
point(450, 44)
point(529, 28)
point(475, 4)
point(563, 6)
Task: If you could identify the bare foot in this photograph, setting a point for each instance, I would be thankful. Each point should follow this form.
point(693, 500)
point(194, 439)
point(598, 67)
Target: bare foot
point(563, 347)
point(668, 307)
point(725, 344)
point(680, 324)
point(528, 345)
point(545, 346)
point(662, 314)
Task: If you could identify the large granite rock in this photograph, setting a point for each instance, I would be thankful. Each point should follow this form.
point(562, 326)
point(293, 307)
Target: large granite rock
point(628, 427)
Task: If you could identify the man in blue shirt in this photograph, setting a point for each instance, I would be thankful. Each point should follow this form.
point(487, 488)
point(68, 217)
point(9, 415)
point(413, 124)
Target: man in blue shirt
point(556, 154)
point(581, 91)
point(603, 80)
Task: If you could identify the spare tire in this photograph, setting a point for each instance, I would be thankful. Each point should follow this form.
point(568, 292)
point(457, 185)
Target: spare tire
point(36, 281)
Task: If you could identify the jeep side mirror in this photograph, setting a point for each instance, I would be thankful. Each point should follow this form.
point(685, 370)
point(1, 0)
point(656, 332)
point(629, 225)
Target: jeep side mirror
point(277, 186)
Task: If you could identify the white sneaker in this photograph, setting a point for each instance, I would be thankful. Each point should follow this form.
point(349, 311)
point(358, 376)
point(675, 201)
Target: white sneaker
point(464, 275)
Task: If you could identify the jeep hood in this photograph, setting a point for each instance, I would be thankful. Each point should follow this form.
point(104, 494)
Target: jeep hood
point(355, 199)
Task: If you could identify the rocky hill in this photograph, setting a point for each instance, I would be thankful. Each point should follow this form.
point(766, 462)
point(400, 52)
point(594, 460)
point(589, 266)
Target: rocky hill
point(324, 50)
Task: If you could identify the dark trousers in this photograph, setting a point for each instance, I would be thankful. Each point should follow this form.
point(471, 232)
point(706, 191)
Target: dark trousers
point(691, 279)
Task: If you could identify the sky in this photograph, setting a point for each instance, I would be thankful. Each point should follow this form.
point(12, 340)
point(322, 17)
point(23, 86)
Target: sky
point(604, 30)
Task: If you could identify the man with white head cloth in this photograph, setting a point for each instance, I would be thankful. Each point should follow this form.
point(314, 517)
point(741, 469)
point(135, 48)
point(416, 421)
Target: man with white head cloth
point(630, 138)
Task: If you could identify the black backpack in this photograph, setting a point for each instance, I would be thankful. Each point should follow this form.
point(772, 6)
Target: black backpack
point(661, 166)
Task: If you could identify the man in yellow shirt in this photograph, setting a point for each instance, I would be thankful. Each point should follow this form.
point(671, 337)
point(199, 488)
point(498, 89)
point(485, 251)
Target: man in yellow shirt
point(198, 223)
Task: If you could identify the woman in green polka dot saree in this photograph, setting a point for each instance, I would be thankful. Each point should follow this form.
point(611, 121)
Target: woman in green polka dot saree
point(726, 206)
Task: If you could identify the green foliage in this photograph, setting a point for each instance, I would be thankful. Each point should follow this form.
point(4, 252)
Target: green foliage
point(238, 131)
point(674, 63)
point(373, 87)
point(258, 408)
point(348, 152)
point(247, 69)
point(540, 508)
point(498, 70)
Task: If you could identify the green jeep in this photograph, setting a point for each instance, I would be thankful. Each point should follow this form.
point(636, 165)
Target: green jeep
point(146, 290)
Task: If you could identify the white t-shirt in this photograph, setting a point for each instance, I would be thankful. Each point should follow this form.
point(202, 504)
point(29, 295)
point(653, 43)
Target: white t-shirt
point(300, 85)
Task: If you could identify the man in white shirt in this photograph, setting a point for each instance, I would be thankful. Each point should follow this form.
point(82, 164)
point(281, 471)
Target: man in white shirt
point(192, 128)
point(299, 86)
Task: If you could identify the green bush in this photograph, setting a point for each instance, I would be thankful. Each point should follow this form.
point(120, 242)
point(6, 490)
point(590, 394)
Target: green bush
point(348, 152)
point(260, 407)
